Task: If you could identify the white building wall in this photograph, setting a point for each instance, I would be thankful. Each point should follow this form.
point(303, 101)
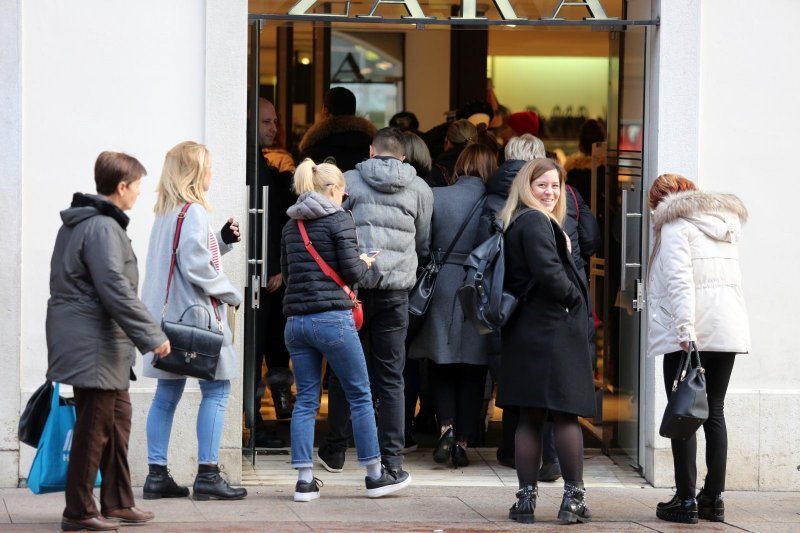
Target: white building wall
point(723, 113)
point(137, 77)
point(10, 237)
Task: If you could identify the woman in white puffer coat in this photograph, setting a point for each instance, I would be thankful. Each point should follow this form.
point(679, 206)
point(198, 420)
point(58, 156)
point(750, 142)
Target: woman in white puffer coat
point(695, 295)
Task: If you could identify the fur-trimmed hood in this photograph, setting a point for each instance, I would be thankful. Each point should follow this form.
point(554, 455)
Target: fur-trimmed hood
point(720, 216)
point(334, 125)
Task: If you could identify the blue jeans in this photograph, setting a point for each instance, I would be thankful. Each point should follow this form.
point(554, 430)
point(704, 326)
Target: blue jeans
point(332, 335)
point(210, 419)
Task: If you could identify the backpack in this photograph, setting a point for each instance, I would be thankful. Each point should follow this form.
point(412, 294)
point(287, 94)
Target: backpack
point(484, 302)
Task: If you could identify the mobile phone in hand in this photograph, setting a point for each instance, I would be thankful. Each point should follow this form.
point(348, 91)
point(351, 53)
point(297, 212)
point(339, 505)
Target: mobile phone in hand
point(373, 253)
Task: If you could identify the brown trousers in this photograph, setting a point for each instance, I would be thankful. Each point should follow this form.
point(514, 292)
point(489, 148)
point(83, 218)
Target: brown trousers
point(100, 439)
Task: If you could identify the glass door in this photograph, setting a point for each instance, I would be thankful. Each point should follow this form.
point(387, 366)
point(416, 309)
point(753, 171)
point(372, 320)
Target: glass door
point(623, 280)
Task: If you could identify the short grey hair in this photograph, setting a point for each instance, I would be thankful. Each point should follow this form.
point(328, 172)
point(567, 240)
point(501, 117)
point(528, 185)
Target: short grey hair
point(526, 147)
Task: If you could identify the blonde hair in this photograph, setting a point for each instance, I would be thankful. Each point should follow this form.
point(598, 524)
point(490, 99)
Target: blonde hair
point(311, 177)
point(525, 148)
point(185, 169)
point(521, 193)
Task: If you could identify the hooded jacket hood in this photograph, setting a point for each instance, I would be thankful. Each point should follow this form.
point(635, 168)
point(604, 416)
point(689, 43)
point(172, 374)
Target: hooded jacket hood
point(503, 176)
point(387, 174)
point(312, 205)
point(86, 206)
point(720, 216)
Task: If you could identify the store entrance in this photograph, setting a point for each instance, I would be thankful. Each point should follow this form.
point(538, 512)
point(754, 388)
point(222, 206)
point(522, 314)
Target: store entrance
point(565, 74)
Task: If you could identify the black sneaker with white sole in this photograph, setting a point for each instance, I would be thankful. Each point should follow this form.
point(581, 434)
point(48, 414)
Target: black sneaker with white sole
point(391, 480)
point(305, 491)
point(331, 460)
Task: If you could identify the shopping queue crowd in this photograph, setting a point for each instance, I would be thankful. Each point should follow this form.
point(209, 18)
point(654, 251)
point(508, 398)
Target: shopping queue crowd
point(371, 227)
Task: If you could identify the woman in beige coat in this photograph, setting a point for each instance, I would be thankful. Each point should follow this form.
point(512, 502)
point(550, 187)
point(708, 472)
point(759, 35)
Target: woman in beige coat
point(695, 296)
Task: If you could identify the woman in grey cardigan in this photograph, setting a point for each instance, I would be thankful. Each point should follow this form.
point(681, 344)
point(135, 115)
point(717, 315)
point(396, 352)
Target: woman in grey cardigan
point(458, 355)
point(197, 277)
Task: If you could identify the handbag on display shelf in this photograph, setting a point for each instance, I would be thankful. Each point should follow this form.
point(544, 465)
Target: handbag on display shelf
point(687, 408)
point(420, 296)
point(195, 348)
point(48, 471)
point(358, 311)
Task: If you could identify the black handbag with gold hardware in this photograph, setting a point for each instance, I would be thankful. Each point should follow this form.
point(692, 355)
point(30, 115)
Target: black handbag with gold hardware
point(195, 348)
point(687, 408)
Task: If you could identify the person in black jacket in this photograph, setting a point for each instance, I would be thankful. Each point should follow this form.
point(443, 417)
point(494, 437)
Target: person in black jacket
point(546, 366)
point(271, 346)
point(320, 324)
point(340, 134)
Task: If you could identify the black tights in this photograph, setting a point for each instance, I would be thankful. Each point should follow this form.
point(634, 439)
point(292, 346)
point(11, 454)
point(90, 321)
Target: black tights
point(528, 450)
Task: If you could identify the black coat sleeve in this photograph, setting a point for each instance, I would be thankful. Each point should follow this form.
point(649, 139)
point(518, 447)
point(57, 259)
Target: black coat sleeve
point(589, 238)
point(546, 268)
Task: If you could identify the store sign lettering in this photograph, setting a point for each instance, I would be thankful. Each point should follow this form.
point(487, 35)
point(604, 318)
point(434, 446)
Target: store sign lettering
point(469, 10)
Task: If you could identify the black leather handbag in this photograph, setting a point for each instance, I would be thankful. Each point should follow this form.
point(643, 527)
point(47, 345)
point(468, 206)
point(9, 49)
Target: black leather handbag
point(420, 296)
point(195, 348)
point(33, 418)
point(687, 408)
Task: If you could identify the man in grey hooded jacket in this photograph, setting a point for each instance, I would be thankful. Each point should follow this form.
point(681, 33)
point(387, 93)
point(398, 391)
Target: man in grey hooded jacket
point(392, 208)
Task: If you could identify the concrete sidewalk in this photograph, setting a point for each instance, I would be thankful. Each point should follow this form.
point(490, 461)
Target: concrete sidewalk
point(475, 498)
point(447, 508)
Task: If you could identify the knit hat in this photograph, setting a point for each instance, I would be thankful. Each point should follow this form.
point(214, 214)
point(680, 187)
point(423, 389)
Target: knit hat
point(524, 122)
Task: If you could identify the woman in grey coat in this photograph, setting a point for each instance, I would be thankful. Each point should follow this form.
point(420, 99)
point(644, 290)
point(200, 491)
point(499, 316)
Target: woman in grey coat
point(94, 319)
point(458, 355)
point(197, 278)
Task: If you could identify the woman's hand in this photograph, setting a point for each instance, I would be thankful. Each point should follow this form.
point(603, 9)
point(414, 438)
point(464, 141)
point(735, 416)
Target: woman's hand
point(274, 282)
point(685, 346)
point(367, 259)
point(163, 350)
point(230, 232)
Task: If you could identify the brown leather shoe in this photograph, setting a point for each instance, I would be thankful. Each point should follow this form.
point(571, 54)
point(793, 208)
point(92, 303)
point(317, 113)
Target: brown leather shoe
point(130, 515)
point(95, 523)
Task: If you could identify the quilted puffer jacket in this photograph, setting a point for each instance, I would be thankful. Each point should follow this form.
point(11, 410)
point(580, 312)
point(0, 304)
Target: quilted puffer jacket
point(332, 232)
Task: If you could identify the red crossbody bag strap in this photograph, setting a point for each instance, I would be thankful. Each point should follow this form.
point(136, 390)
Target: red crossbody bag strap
point(175, 241)
point(327, 270)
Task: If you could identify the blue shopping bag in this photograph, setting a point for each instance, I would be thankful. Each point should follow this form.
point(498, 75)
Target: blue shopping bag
point(49, 469)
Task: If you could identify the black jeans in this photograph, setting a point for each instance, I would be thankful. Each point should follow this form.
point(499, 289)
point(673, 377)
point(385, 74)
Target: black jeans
point(718, 367)
point(457, 391)
point(271, 346)
point(383, 336)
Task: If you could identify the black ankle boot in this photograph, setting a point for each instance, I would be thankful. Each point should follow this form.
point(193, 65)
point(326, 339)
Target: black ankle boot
point(523, 510)
point(678, 510)
point(710, 506)
point(159, 484)
point(209, 484)
point(280, 382)
point(573, 505)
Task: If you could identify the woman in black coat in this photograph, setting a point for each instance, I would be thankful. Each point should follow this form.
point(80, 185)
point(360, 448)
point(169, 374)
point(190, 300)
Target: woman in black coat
point(546, 366)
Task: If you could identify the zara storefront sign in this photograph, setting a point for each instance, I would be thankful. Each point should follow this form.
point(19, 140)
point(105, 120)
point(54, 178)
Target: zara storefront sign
point(303, 9)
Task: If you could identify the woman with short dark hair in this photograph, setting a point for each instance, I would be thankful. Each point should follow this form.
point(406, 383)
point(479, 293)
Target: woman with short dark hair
point(94, 320)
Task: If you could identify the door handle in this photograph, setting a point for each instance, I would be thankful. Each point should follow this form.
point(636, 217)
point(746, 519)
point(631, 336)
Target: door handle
point(624, 264)
point(264, 228)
